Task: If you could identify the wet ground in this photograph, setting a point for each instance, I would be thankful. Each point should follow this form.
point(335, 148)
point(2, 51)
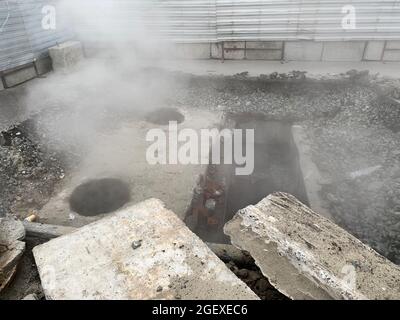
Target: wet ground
point(352, 124)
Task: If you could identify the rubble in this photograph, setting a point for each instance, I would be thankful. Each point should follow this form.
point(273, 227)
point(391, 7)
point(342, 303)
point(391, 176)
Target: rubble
point(11, 248)
point(306, 256)
point(95, 264)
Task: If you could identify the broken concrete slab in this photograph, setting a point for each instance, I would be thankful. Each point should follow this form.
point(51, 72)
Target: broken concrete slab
point(11, 248)
point(307, 256)
point(141, 252)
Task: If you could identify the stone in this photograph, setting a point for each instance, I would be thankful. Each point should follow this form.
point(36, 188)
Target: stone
point(97, 261)
point(31, 296)
point(11, 248)
point(306, 256)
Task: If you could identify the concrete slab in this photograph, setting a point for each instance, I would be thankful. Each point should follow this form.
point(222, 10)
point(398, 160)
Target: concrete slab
point(303, 50)
point(306, 256)
point(20, 76)
point(66, 55)
point(123, 156)
point(154, 256)
point(374, 50)
point(343, 51)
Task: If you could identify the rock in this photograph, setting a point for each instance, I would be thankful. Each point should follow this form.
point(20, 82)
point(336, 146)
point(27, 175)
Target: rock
point(262, 285)
point(11, 248)
point(306, 256)
point(31, 296)
point(242, 273)
point(136, 244)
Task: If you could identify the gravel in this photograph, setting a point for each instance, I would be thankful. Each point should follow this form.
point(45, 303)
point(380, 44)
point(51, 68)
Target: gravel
point(352, 123)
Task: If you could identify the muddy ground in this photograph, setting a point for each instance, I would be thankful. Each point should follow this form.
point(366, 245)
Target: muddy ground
point(352, 122)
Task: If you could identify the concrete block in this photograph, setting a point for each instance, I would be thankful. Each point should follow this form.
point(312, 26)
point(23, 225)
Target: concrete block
point(20, 76)
point(374, 50)
point(306, 256)
point(343, 51)
point(154, 256)
point(263, 54)
point(391, 55)
point(303, 50)
point(264, 45)
point(216, 51)
point(192, 51)
point(66, 55)
point(234, 44)
point(43, 65)
point(1, 84)
point(234, 54)
point(395, 44)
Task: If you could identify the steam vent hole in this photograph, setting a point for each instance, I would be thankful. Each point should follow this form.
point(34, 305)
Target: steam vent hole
point(163, 116)
point(99, 196)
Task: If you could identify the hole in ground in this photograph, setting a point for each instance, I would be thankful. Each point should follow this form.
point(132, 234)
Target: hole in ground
point(99, 196)
point(222, 193)
point(163, 116)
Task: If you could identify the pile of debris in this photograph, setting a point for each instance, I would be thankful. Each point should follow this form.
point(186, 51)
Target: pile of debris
point(301, 255)
point(28, 173)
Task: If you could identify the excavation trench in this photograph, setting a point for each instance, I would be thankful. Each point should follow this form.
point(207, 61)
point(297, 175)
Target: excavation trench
point(221, 192)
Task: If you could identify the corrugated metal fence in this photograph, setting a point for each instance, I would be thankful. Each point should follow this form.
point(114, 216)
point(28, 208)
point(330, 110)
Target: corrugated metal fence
point(22, 38)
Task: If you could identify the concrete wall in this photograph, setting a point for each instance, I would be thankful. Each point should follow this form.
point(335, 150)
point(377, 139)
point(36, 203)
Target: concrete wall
point(294, 50)
point(373, 50)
